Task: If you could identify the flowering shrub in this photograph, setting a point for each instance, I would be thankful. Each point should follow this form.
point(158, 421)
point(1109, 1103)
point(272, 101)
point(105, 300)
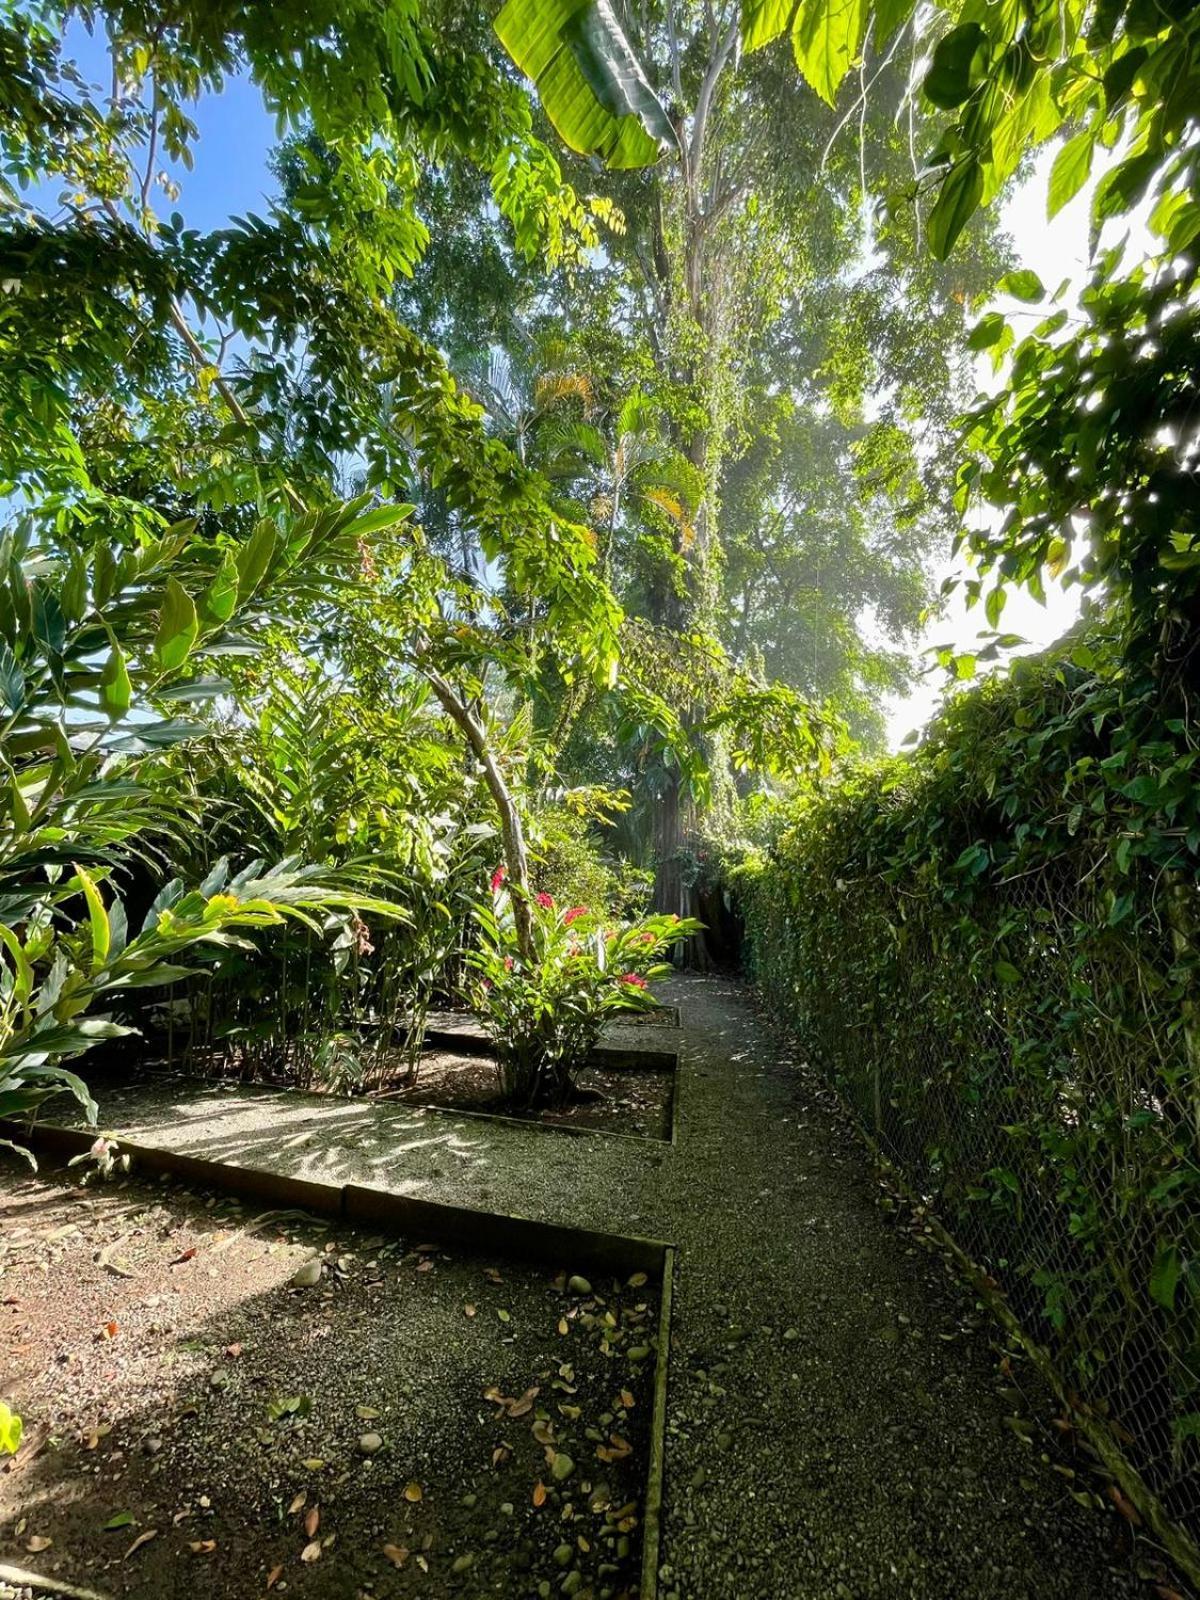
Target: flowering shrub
point(544, 1016)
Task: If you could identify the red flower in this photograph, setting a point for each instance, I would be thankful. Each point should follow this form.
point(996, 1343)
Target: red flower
point(574, 914)
point(498, 877)
point(546, 901)
point(508, 963)
point(647, 937)
point(636, 979)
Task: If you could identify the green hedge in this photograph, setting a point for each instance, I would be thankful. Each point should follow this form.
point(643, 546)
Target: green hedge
point(989, 947)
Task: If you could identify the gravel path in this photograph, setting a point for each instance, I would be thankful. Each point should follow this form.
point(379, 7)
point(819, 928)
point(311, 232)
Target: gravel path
point(837, 1427)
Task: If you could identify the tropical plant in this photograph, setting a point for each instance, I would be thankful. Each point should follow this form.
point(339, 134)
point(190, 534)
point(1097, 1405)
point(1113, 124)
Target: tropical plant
point(543, 1006)
point(99, 647)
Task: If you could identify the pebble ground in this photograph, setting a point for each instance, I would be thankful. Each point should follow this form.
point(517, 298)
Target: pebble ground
point(837, 1427)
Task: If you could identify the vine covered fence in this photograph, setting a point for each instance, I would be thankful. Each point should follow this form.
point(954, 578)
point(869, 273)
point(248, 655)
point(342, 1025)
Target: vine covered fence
point(993, 958)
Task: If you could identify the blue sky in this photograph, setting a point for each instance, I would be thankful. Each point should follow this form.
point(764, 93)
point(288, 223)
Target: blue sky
point(236, 136)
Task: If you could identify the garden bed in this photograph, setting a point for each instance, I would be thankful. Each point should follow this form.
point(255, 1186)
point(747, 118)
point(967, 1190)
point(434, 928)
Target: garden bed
point(177, 1382)
point(610, 1097)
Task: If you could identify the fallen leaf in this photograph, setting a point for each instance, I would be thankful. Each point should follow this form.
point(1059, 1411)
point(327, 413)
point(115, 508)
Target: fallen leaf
point(492, 1276)
point(142, 1538)
point(501, 1454)
point(38, 1543)
point(123, 1519)
point(425, 1264)
point(298, 1503)
point(637, 1280)
point(314, 1463)
point(521, 1407)
point(563, 1326)
point(367, 1413)
point(413, 1492)
point(1125, 1507)
point(423, 1564)
point(274, 1576)
point(468, 1311)
point(233, 1350)
point(185, 1256)
point(539, 1493)
point(202, 1547)
point(397, 1554)
point(311, 1552)
point(312, 1521)
point(627, 1400)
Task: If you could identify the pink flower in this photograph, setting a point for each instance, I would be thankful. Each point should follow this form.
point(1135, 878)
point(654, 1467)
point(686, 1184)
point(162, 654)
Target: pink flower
point(508, 963)
point(498, 877)
point(574, 914)
point(546, 901)
point(636, 979)
point(647, 937)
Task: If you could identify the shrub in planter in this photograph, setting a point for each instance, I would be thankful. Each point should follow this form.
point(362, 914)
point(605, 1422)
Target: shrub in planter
point(544, 1016)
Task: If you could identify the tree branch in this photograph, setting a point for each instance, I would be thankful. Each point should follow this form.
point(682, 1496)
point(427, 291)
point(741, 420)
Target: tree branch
point(515, 856)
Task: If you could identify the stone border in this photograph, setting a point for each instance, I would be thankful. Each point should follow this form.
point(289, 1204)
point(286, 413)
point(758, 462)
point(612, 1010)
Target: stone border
point(548, 1243)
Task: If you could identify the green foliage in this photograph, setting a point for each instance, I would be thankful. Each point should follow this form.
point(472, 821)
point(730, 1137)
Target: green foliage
point(574, 861)
point(544, 1015)
point(375, 794)
point(591, 85)
point(991, 948)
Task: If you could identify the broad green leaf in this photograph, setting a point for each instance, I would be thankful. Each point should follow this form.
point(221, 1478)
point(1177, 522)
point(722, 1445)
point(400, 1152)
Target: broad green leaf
point(1071, 170)
point(116, 691)
point(956, 201)
point(12, 679)
point(591, 84)
point(958, 63)
point(987, 331)
point(378, 519)
point(253, 560)
point(1022, 285)
point(98, 916)
point(827, 36)
point(764, 20)
point(1164, 1276)
point(1007, 973)
point(221, 597)
point(177, 628)
point(994, 605)
point(22, 968)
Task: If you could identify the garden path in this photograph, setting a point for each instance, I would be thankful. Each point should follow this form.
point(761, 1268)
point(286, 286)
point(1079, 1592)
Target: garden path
point(835, 1426)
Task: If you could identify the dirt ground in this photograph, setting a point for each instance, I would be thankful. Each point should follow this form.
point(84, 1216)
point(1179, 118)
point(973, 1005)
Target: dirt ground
point(411, 1422)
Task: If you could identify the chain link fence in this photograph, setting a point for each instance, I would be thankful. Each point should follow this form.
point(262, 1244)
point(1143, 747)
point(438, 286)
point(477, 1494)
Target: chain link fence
point(1028, 1055)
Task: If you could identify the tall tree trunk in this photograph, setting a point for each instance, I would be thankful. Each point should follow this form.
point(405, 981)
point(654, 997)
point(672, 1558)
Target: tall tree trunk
point(681, 249)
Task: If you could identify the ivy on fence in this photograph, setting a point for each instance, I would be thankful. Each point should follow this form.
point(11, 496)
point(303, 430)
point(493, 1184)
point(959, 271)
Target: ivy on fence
point(990, 947)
